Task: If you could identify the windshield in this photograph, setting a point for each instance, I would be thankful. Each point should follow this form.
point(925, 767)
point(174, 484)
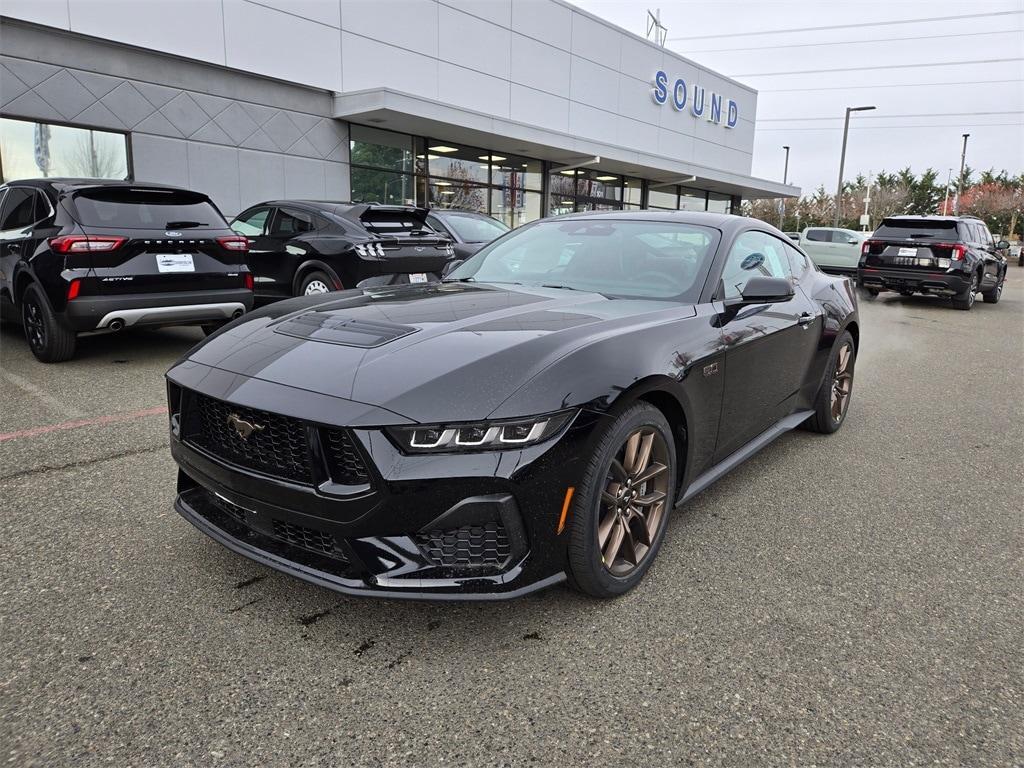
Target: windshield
point(910, 229)
point(134, 208)
point(475, 229)
point(615, 257)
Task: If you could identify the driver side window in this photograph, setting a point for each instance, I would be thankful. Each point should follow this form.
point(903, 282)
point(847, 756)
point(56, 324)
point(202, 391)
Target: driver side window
point(753, 254)
point(252, 224)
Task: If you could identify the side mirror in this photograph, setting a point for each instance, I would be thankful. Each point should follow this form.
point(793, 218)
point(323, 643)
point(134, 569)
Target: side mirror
point(852, 241)
point(1002, 245)
point(764, 290)
point(451, 266)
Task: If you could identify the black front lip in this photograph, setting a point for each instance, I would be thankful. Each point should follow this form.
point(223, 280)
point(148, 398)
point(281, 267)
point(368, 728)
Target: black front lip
point(363, 588)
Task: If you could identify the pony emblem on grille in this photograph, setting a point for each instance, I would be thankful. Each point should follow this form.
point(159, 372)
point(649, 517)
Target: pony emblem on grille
point(242, 427)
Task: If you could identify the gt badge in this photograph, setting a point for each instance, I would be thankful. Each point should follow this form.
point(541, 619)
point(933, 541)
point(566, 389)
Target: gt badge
point(711, 370)
point(242, 427)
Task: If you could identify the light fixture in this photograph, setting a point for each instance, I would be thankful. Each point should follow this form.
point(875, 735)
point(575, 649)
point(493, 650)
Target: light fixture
point(442, 183)
point(570, 172)
point(426, 157)
point(443, 148)
point(606, 178)
point(447, 192)
point(492, 158)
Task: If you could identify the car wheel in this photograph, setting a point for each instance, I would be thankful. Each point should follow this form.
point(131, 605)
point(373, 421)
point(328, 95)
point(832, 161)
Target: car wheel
point(906, 293)
point(833, 400)
point(871, 292)
point(316, 283)
point(49, 340)
point(627, 491)
point(992, 296)
point(965, 300)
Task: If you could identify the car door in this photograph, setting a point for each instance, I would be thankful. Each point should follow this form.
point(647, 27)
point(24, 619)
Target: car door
point(16, 218)
point(768, 347)
point(993, 261)
point(817, 244)
point(845, 249)
point(285, 247)
point(253, 224)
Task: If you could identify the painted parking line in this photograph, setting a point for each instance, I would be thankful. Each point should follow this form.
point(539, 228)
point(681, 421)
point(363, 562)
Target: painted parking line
point(93, 422)
point(49, 401)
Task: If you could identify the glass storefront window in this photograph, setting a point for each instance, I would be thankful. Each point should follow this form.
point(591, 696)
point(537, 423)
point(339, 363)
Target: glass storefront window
point(692, 200)
point(31, 150)
point(598, 185)
point(663, 197)
point(375, 148)
point(454, 161)
point(517, 172)
point(719, 203)
point(457, 194)
point(632, 192)
point(516, 207)
point(372, 185)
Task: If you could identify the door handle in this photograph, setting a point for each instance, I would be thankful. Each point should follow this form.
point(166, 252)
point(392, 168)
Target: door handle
point(805, 319)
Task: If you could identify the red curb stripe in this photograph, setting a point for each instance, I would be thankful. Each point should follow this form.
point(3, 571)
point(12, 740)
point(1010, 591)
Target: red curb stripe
point(97, 421)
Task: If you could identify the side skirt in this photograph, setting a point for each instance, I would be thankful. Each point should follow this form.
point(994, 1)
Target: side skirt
point(738, 457)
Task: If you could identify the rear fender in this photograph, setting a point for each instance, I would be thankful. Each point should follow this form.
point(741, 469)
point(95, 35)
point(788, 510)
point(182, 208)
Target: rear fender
point(315, 265)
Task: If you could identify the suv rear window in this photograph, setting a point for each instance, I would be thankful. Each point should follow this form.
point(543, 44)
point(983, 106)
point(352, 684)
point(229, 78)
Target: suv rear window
point(909, 229)
point(131, 208)
point(394, 223)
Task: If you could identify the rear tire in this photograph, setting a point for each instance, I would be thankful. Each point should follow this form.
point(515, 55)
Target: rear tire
point(833, 399)
point(965, 300)
point(316, 283)
point(992, 296)
point(49, 339)
point(625, 496)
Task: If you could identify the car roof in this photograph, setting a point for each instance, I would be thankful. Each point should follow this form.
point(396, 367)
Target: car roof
point(722, 221)
point(920, 217)
point(69, 184)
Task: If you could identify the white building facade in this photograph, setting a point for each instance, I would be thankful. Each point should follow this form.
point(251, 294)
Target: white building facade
point(517, 108)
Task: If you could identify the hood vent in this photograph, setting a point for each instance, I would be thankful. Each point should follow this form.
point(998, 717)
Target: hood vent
point(331, 329)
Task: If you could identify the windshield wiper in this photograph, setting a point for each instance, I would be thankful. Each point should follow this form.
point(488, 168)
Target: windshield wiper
point(459, 280)
point(552, 285)
point(184, 224)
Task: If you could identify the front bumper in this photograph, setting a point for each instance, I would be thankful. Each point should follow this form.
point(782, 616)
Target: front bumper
point(413, 532)
point(922, 281)
point(94, 313)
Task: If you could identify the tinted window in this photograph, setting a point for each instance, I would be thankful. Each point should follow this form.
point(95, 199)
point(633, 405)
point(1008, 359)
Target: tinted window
point(252, 224)
point(135, 208)
point(819, 235)
point(797, 261)
point(628, 259)
point(290, 221)
point(18, 208)
point(383, 222)
point(754, 254)
point(29, 150)
point(475, 229)
point(909, 229)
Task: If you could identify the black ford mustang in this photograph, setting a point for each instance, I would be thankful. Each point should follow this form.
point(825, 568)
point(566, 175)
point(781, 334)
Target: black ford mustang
point(534, 417)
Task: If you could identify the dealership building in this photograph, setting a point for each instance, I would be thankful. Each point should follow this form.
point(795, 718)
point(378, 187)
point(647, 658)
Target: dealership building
point(517, 108)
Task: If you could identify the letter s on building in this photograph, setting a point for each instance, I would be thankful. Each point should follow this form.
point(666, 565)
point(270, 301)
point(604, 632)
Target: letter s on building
point(660, 89)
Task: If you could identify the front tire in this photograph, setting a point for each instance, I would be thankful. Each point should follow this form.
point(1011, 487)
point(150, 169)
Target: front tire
point(48, 338)
point(833, 400)
point(621, 512)
point(316, 283)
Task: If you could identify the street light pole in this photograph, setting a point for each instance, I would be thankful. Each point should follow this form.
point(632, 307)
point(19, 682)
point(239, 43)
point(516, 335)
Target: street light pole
point(945, 200)
point(842, 160)
point(785, 178)
point(960, 178)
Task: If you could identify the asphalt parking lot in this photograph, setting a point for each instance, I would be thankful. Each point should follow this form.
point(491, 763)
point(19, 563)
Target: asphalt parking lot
point(854, 599)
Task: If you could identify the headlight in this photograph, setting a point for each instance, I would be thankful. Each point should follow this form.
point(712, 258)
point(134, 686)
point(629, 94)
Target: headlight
point(479, 436)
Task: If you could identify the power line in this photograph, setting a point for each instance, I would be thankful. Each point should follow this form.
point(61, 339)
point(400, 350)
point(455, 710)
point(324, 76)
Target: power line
point(852, 26)
point(777, 46)
point(886, 85)
point(954, 126)
point(890, 117)
point(880, 66)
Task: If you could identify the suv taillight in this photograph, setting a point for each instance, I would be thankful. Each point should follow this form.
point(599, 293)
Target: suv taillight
point(85, 243)
point(865, 247)
point(959, 252)
point(249, 282)
point(235, 243)
point(74, 288)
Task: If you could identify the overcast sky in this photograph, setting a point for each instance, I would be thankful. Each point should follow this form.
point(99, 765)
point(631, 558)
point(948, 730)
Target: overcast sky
point(715, 33)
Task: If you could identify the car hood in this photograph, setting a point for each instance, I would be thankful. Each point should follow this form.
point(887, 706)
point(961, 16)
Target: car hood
point(433, 352)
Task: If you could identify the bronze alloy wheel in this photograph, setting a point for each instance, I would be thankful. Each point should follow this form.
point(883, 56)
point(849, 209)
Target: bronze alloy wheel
point(632, 505)
point(842, 381)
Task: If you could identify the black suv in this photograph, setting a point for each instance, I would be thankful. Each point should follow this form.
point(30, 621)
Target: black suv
point(304, 247)
point(82, 255)
point(950, 256)
point(470, 230)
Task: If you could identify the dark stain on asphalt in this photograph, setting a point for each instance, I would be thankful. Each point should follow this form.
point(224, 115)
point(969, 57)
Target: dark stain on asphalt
point(87, 462)
point(313, 618)
point(346, 682)
point(238, 608)
point(532, 636)
point(249, 582)
point(398, 660)
point(364, 647)
point(83, 659)
point(121, 362)
point(432, 625)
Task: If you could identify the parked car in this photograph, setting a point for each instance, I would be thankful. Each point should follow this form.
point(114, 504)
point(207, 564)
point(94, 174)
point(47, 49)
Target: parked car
point(83, 255)
point(305, 247)
point(533, 418)
point(951, 256)
point(834, 250)
point(794, 236)
point(470, 230)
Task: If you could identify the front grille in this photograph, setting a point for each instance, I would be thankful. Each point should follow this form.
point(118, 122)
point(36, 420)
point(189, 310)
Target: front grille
point(343, 460)
point(307, 538)
point(483, 546)
point(276, 445)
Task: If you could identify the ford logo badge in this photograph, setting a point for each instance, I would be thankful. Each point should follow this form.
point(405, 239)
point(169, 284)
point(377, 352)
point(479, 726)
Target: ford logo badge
point(173, 234)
